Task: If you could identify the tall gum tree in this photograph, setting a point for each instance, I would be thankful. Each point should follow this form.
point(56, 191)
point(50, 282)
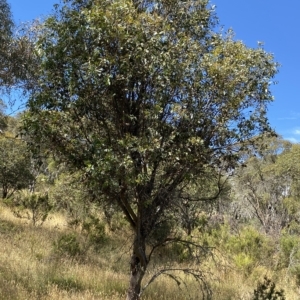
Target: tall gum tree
point(17, 60)
point(261, 188)
point(6, 28)
point(145, 97)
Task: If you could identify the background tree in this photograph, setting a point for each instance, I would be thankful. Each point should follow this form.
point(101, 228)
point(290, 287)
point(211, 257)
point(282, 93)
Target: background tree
point(15, 165)
point(17, 59)
point(288, 169)
point(268, 182)
point(6, 28)
point(144, 98)
point(3, 117)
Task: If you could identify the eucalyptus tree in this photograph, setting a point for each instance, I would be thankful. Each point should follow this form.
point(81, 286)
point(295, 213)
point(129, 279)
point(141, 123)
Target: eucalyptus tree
point(144, 97)
point(17, 59)
point(15, 165)
point(288, 169)
point(6, 34)
point(6, 27)
point(264, 185)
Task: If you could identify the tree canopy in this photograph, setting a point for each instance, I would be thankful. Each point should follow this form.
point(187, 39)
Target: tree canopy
point(146, 98)
point(6, 27)
point(17, 59)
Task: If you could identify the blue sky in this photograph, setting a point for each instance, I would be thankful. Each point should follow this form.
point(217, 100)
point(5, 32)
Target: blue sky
point(273, 22)
point(276, 23)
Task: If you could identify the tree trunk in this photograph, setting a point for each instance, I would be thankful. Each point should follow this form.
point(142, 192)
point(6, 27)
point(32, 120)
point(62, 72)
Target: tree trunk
point(138, 265)
point(4, 192)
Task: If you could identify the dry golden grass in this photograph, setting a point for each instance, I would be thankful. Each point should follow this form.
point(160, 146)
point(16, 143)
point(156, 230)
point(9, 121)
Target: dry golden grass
point(30, 269)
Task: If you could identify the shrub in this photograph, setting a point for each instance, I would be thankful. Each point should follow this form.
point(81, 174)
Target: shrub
point(250, 248)
point(266, 290)
point(94, 230)
point(32, 206)
point(68, 245)
point(289, 250)
point(161, 232)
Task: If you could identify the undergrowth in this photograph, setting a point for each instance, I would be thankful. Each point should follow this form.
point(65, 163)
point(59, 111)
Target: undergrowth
point(56, 261)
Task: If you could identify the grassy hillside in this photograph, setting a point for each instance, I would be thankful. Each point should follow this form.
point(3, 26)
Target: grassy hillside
point(58, 261)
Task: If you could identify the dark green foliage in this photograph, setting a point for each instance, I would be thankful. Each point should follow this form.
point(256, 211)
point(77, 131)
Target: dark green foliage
point(15, 165)
point(138, 110)
point(266, 290)
point(94, 230)
point(3, 117)
point(68, 245)
point(6, 26)
point(145, 101)
point(33, 206)
point(162, 231)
